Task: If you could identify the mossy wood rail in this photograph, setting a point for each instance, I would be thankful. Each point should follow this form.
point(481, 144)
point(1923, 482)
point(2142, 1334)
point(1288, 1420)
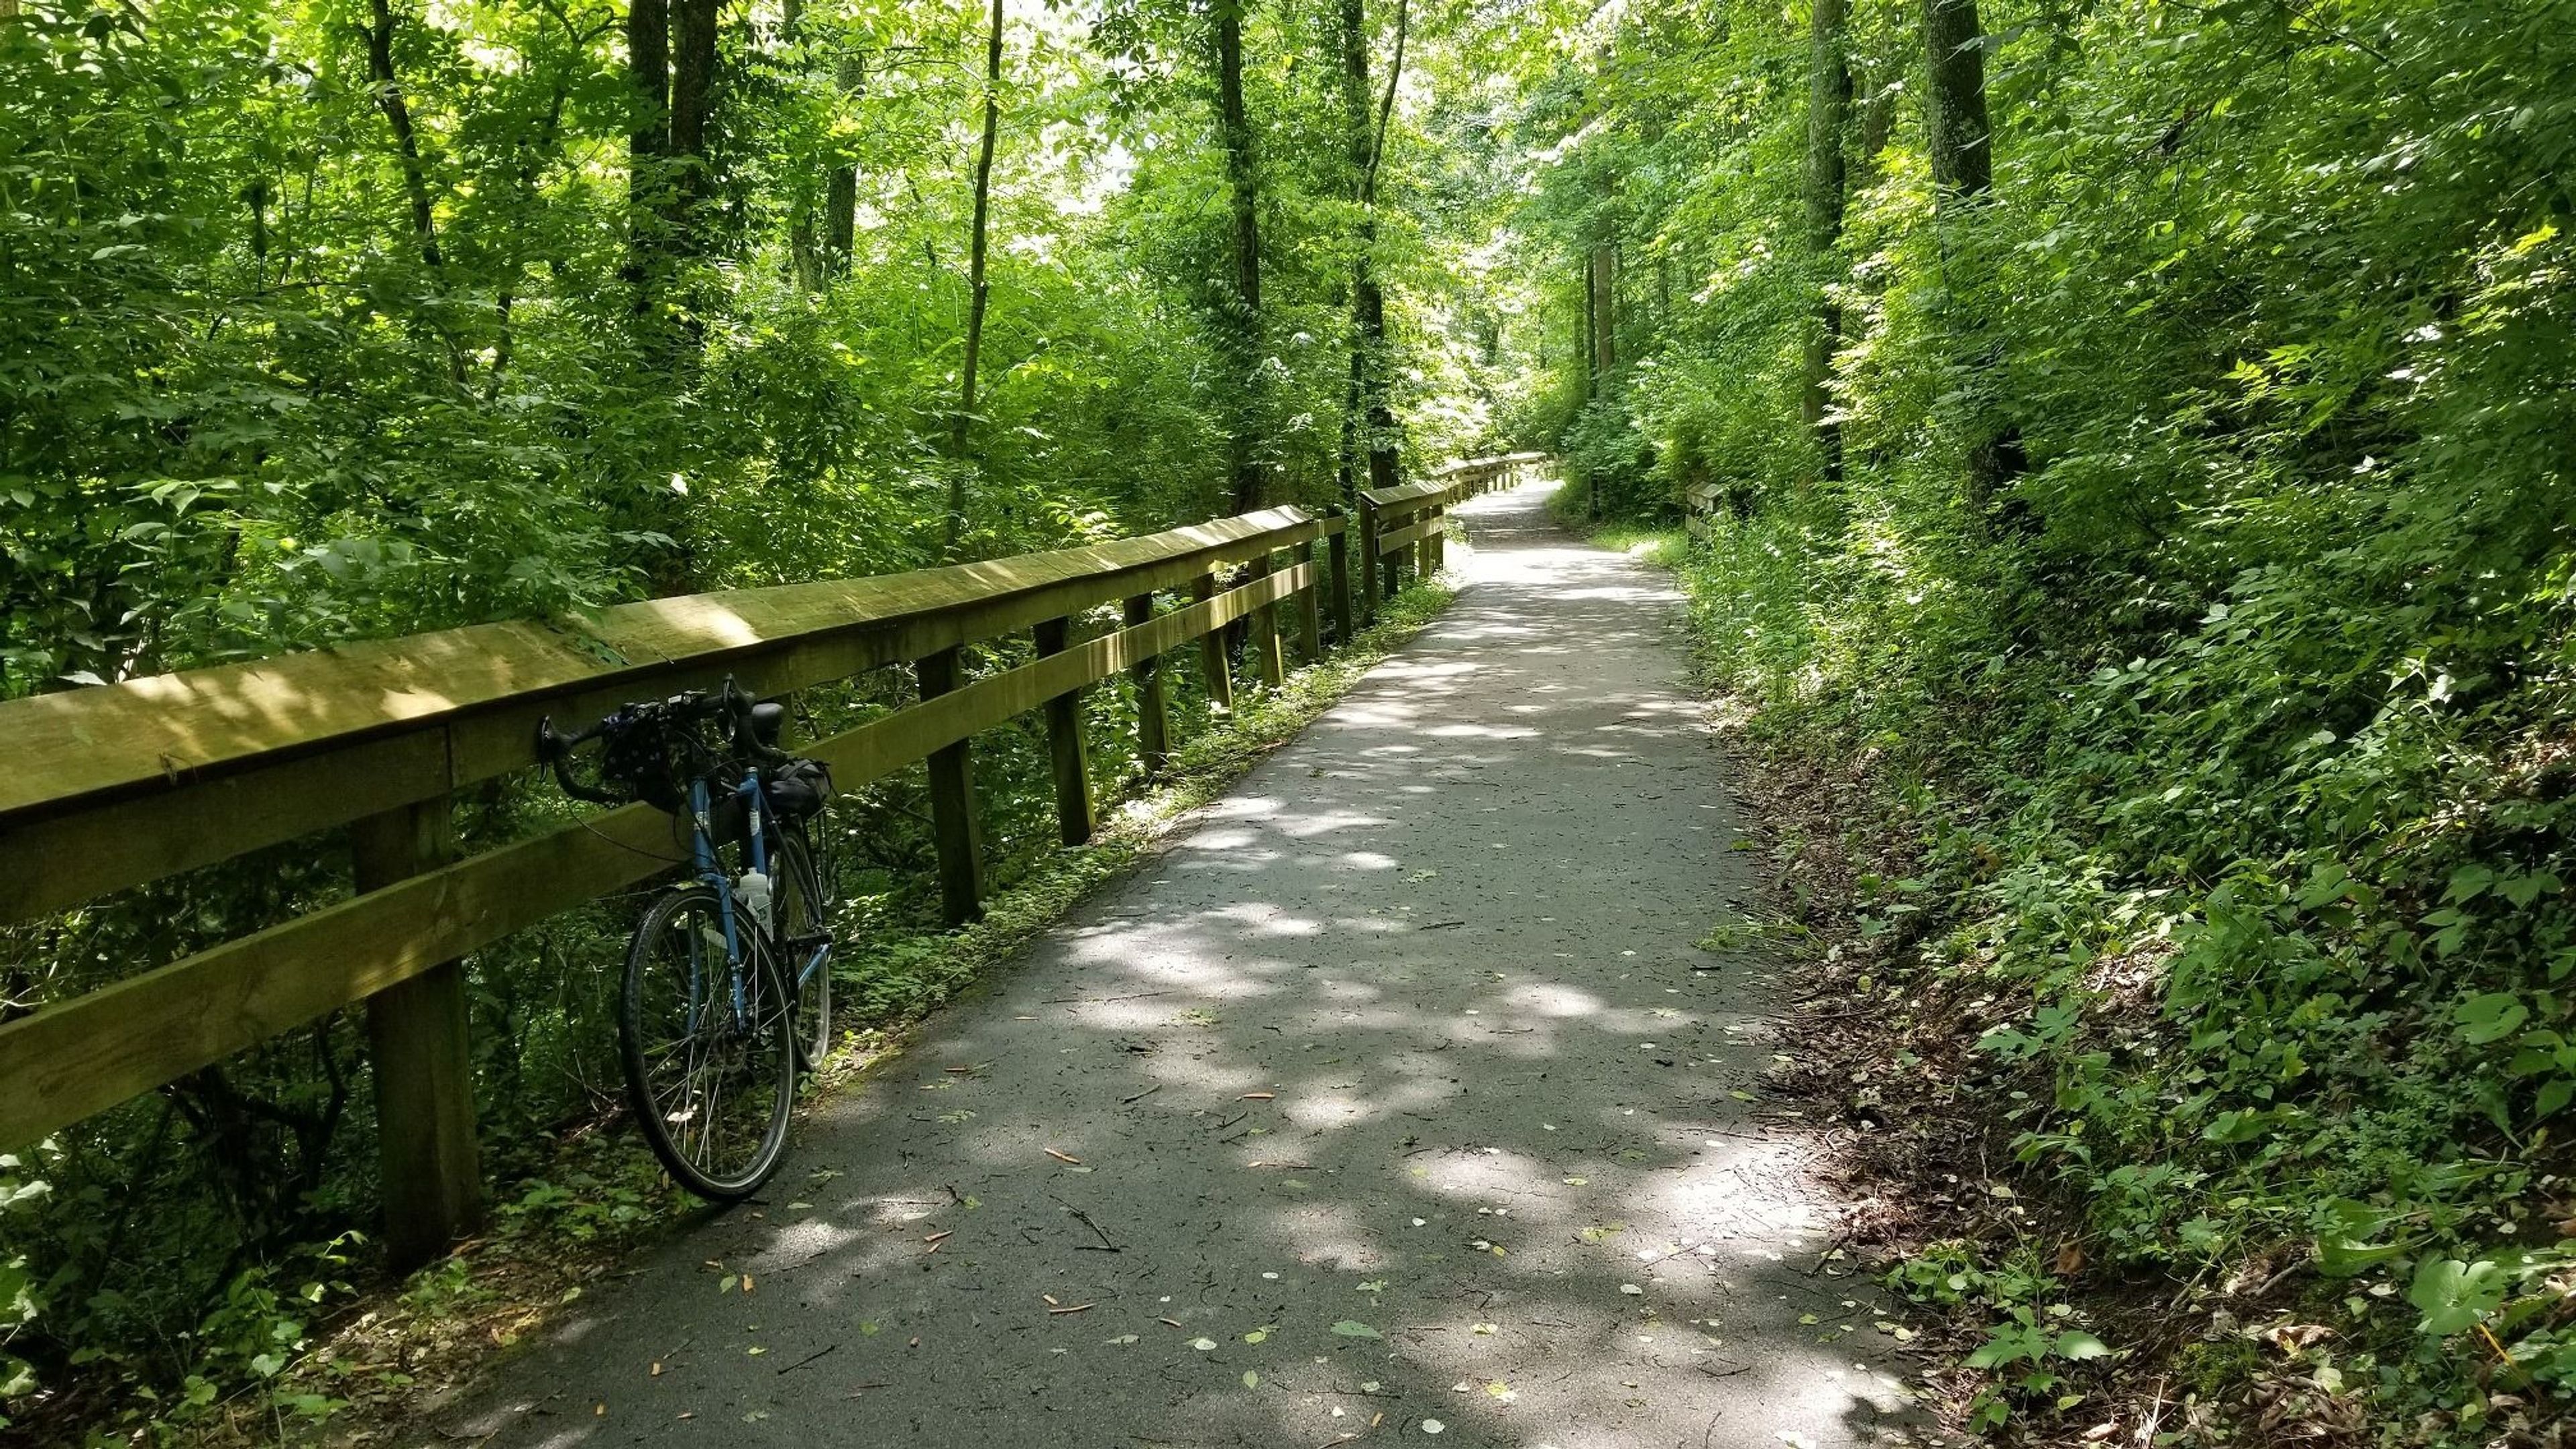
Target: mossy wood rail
point(119, 785)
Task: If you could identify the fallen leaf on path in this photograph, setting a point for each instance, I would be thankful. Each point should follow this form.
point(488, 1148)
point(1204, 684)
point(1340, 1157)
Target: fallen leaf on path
point(1203, 1345)
point(1257, 1097)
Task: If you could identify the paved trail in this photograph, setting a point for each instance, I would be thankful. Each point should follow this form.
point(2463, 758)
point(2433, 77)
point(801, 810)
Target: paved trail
point(1407, 1032)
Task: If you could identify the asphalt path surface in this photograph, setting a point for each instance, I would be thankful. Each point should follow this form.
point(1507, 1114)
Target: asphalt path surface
point(1393, 1098)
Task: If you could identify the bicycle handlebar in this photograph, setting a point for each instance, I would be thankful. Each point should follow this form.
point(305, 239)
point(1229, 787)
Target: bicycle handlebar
point(727, 703)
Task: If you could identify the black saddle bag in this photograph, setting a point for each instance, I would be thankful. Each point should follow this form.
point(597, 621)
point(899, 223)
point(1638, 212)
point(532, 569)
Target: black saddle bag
point(799, 789)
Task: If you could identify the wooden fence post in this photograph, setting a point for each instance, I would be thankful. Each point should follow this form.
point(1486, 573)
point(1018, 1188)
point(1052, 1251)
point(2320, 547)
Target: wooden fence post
point(953, 830)
point(1310, 606)
point(1153, 716)
point(1339, 548)
point(1266, 655)
point(426, 1150)
point(1370, 574)
point(1074, 820)
point(1220, 681)
point(1435, 544)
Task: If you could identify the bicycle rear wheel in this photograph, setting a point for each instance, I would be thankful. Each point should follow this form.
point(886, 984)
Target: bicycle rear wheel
point(710, 1063)
point(805, 945)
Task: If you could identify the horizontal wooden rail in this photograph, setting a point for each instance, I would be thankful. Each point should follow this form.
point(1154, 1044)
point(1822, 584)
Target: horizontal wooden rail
point(124, 784)
point(131, 782)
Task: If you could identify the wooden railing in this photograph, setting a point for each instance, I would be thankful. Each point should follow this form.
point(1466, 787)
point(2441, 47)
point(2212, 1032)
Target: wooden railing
point(118, 785)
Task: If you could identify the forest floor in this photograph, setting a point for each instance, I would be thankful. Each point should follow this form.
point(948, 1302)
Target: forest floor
point(1417, 1087)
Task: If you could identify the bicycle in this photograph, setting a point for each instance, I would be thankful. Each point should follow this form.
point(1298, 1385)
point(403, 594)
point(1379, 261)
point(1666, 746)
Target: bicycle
point(728, 981)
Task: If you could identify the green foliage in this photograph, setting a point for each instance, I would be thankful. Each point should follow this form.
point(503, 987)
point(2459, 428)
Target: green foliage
point(2237, 718)
point(275, 377)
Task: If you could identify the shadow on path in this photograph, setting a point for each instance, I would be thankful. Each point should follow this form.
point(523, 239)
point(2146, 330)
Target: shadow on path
point(1397, 1081)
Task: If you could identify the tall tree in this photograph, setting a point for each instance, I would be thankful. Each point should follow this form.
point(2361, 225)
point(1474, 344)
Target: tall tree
point(964, 420)
point(1955, 105)
point(648, 142)
point(1829, 103)
point(1601, 277)
point(1244, 340)
point(1962, 176)
point(1368, 418)
point(415, 171)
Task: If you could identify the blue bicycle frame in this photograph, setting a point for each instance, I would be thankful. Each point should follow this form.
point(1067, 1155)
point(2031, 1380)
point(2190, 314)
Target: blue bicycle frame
point(702, 851)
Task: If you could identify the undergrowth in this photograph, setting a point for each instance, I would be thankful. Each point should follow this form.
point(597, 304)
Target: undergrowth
point(2216, 1044)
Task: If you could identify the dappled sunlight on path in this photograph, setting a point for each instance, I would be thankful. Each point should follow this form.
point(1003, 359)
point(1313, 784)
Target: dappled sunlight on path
point(1395, 1091)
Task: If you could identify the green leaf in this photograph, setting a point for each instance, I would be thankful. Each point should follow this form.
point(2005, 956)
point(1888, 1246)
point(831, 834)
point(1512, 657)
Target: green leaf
point(2490, 1016)
point(2554, 1097)
point(2453, 1295)
point(2079, 1345)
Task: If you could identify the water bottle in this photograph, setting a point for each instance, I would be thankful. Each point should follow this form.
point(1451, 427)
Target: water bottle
point(752, 889)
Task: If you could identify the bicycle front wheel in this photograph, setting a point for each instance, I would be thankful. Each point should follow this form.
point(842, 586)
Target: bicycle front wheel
point(707, 1040)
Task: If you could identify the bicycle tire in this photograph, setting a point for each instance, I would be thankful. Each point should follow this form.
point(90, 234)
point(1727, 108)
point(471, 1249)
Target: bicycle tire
point(804, 910)
point(696, 979)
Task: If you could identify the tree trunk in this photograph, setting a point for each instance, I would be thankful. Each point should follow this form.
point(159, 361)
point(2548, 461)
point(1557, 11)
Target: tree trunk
point(841, 188)
point(963, 422)
point(424, 221)
point(1369, 362)
point(693, 78)
point(1584, 354)
point(648, 70)
point(1829, 99)
point(1604, 281)
point(1955, 110)
point(1877, 122)
point(1962, 176)
point(804, 259)
point(1242, 181)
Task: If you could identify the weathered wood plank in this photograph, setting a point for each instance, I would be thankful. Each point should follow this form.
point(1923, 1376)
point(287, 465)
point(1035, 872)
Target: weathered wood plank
point(1310, 607)
point(245, 756)
point(1267, 658)
point(1338, 546)
point(1403, 539)
point(1153, 712)
point(83, 1056)
point(954, 832)
point(1408, 498)
point(1370, 574)
point(1067, 756)
point(890, 742)
point(1217, 674)
point(428, 1158)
